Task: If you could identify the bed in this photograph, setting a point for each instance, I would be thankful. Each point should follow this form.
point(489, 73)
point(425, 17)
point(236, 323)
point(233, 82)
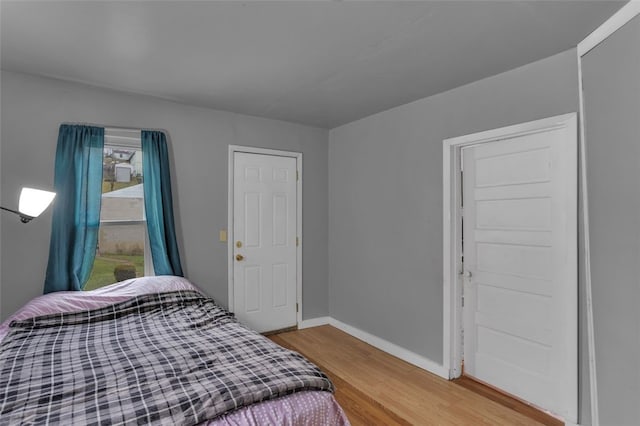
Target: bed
point(151, 350)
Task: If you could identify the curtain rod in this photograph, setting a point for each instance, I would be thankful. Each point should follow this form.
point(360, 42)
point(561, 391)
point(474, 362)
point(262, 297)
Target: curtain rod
point(126, 129)
point(107, 128)
point(132, 129)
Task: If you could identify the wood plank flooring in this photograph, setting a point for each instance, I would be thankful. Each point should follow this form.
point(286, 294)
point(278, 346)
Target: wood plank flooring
point(508, 401)
point(375, 388)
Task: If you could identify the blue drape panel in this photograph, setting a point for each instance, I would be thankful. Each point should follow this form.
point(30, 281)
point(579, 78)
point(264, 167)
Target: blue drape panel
point(158, 204)
point(76, 209)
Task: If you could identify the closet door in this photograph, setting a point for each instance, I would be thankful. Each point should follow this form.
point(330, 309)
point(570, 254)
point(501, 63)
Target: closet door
point(520, 283)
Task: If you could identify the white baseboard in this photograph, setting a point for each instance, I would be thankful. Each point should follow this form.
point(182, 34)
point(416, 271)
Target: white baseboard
point(314, 322)
point(383, 345)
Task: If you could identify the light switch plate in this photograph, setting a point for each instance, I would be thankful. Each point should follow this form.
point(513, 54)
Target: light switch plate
point(223, 235)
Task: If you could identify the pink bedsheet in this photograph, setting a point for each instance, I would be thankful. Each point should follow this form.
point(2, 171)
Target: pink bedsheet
point(311, 408)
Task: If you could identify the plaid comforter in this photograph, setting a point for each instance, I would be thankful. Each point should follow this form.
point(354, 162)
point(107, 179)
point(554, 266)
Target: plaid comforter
point(167, 358)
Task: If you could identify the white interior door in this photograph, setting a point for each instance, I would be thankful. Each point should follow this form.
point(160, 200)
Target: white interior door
point(264, 232)
point(520, 282)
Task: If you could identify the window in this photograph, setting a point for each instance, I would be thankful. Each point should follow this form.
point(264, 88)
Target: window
point(123, 250)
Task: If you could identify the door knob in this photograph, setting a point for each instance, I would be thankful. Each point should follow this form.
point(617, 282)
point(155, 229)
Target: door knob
point(466, 274)
point(239, 257)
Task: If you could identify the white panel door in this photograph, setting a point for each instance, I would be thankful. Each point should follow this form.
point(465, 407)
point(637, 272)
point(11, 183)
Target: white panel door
point(264, 230)
point(520, 284)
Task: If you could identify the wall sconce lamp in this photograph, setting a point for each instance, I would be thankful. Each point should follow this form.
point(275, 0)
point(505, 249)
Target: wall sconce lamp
point(32, 203)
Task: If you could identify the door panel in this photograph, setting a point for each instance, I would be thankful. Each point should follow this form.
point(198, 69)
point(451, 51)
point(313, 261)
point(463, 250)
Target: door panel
point(251, 212)
point(533, 214)
point(513, 259)
point(517, 210)
point(512, 168)
point(264, 229)
point(252, 288)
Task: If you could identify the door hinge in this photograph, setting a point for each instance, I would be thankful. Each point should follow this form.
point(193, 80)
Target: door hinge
point(297, 241)
point(296, 308)
point(462, 292)
point(297, 175)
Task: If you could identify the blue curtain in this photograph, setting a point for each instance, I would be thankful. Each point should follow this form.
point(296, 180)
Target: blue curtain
point(158, 204)
point(76, 209)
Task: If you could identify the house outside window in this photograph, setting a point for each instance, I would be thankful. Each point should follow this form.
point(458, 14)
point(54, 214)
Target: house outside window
point(123, 248)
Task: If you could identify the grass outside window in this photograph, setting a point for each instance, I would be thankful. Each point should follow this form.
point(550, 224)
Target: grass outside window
point(103, 269)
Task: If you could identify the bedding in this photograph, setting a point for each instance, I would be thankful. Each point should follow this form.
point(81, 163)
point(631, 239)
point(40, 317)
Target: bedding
point(138, 340)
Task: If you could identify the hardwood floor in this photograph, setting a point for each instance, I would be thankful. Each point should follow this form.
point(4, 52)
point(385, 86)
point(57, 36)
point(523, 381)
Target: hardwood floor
point(508, 401)
point(375, 388)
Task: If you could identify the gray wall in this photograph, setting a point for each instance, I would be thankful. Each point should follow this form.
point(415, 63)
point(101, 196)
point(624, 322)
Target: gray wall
point(612, 118)
point(32, 109)
point(385, 199)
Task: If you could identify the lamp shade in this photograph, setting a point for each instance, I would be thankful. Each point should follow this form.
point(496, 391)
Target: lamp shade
point(34, 201)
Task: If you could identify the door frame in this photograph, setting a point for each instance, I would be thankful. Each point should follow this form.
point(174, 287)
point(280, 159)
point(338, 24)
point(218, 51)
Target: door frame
point(452, 243)
point(230, 212)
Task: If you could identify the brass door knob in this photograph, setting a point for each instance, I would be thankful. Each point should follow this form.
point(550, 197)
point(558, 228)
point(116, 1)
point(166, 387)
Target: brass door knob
point(239, 257)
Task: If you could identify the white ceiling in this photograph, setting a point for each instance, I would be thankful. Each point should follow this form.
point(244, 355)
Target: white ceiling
point(317, 63)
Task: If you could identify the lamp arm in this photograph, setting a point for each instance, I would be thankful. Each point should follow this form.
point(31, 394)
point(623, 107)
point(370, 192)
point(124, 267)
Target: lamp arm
point(23, 217)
